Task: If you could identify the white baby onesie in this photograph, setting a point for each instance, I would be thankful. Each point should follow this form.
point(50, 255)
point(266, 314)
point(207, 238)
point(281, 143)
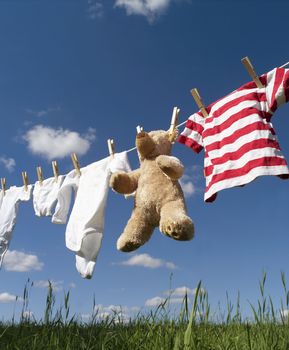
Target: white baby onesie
point(84, 230)
point(45, 195)
point(69, 184)
point(9, 204)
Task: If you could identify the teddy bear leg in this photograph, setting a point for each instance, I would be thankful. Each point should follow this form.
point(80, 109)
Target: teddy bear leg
point(175, 223)
point(136, 232)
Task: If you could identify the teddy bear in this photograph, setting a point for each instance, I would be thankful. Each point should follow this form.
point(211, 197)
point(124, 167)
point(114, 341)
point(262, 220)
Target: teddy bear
point(159, 199)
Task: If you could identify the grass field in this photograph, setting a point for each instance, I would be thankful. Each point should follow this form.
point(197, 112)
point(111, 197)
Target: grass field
point(194, 328)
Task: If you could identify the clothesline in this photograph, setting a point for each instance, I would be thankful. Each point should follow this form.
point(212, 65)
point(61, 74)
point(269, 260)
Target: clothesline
point(134, 148)
point(183, 123)
point(254, 155)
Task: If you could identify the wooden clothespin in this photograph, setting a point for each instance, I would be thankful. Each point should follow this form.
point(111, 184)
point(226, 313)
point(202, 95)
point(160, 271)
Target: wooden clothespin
point(139, 129)
point(55, 169)
point(111, 147)
point(199, 102)
point(248, 65)
point(25, 180)
point(174, 121)
point(76, 163)
point(3, 185)
point(40, 174)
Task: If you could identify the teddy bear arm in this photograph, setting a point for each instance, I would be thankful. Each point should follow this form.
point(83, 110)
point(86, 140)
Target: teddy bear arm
point(125, 183)
point(171, 166)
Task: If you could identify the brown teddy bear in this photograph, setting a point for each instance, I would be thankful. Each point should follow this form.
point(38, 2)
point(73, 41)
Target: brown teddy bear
point(159, 199)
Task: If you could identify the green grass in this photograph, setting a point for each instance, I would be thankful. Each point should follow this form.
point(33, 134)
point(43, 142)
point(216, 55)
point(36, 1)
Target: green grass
point(193, 328)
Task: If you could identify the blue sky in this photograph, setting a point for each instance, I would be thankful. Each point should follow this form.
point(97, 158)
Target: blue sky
point(83, 71)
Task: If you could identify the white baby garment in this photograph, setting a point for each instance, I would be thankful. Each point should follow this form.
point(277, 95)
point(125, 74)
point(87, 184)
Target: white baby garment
point(9, 204)
point(69, 184)
point(84, 230)
point(45, 195)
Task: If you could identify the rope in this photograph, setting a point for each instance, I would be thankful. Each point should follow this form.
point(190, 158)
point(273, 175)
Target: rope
point(134, 148)
point(285, 65)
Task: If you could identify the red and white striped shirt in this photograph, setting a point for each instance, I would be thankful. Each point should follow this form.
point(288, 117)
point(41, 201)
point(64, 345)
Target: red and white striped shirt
point(238, 138)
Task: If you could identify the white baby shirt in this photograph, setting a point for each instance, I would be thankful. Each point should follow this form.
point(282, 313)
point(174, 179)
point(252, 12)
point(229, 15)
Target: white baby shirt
point(84, 230)
point(69, 186)
point(45, 195)
point(9, 204)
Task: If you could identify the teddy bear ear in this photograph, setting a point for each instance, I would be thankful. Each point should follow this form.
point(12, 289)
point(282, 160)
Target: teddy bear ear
point(173, 135)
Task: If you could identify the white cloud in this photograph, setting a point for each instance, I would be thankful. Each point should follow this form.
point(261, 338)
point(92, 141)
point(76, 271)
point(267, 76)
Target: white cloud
point(177, 300)
point(56, 285)
point(190, 181)
point(170, 265)
point(156, 301)
point(85, 317)
point(8, 298)
point(9, 163)
point(135, 309)
point(146, 260)
point(187, 187)
point(180, 292)
point(174, 296)
point(151, 9)
point(90, 135)
point(21, 262)
point(117, 312)
point(95, 9)
point(28, 314)
point(116, 308)
point(57, 143)
point(42, 112)
point(284, 313)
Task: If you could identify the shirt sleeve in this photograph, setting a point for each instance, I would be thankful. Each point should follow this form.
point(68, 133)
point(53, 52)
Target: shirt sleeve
point(192, 134)
point(277, 89)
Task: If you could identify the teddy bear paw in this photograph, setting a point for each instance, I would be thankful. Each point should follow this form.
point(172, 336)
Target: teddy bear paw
point(120, 182)
point(181, 230)
point(125, 245)
point(115, 181)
